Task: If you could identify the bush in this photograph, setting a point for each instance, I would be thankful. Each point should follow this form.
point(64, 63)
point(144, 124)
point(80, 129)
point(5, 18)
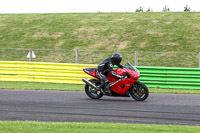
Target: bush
point(140, 9)
point(165, 9)
point(148, 10)
point(186, 8)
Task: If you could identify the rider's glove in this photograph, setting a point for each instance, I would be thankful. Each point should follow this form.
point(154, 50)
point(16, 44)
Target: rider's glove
point(123, 77)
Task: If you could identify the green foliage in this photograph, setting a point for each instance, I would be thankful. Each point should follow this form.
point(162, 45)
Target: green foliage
point(140, 9)
point(186, 8)
point(149, 10)
point(166, 9)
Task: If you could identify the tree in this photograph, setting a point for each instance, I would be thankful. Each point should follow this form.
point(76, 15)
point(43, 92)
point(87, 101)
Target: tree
point(165, 9)
point(186, 8)
point(148, 10)
point(140, 9)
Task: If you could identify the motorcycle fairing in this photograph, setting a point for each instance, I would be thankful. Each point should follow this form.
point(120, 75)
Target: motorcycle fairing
point(120, 86)
point(91, 71)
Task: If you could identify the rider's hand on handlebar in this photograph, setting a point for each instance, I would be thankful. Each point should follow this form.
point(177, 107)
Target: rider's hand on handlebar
point(124, 77)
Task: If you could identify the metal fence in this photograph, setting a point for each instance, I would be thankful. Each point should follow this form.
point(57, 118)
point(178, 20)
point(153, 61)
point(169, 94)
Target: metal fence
point(138, 58)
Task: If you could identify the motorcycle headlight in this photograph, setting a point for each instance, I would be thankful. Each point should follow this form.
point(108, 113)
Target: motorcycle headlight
point(136, 76)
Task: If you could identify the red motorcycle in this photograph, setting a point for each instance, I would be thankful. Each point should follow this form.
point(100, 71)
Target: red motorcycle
point(129, 86)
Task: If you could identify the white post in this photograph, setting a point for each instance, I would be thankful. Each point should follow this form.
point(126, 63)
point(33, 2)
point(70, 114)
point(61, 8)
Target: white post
point(30, 51)
point(76, 56)
point(199, 59)
point(136, 59)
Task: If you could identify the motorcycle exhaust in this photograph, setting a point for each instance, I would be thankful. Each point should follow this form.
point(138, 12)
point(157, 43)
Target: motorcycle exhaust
point(89, 83)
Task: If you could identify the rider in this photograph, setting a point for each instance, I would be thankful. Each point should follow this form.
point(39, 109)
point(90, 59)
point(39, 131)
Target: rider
point(107, 66)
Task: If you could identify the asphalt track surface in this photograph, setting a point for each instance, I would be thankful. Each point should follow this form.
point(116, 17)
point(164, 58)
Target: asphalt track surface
point(65, 106)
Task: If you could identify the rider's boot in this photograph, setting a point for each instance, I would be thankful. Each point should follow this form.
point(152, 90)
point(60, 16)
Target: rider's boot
point(102, 88)
point(107, 89)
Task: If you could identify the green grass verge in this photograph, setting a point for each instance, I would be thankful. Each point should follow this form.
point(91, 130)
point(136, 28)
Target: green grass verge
point(73, 87)
point(40, 86)
point(174, 91)
point(56, 127)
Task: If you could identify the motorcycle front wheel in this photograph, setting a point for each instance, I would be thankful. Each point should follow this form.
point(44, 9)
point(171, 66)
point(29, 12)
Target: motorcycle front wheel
point(139, 91)
point(91, 92)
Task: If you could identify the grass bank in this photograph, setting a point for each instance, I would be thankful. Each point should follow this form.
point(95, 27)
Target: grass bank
point(154, 31)
point(44, 127)
point(73, 87)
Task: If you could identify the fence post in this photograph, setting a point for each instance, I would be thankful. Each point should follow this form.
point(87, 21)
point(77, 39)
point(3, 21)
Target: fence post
point(76, 56)
point(136, 59)
point(199, 59)
point(31, 56)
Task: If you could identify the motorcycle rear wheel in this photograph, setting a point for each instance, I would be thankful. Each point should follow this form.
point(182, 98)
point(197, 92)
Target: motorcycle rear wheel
point(139, 91)
point(93, 93)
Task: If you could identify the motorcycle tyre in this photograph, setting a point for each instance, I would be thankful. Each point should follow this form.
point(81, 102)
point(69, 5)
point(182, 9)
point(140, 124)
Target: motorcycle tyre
point(88, 92)
point(145, 89)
